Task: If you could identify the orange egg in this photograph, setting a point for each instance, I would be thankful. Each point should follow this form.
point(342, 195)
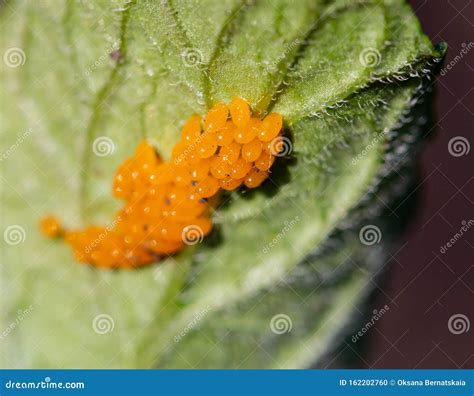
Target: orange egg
point(264, 161)
point(182, 177)
point(230, 184)
point(219, 168)
point(240, 112)
point(199, 170)
point(51, 227)
point(207, 187)
point(248, 132)
point(271, 127)
point(161, 246)
point(225, 135)
point(163, 174)
point(255, 177)
point(252, 150)
point(191, 130)
point(230, 153)
point(179, 153)
point(207, 145)
point(240, 168)
point(216, 117)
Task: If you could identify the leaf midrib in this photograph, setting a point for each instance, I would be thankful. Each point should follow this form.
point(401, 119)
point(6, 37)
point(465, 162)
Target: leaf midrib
point(100, 97)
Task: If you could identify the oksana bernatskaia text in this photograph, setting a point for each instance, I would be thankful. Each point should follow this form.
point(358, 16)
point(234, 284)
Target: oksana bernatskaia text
point(427, 382)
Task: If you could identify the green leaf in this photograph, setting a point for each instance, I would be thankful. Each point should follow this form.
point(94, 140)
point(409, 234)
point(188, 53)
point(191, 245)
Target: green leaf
point(346, 75)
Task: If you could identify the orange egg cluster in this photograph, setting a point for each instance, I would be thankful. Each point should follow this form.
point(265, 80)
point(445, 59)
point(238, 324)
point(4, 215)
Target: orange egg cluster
point(167, 203)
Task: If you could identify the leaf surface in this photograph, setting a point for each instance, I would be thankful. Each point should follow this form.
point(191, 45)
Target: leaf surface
point(125, 70)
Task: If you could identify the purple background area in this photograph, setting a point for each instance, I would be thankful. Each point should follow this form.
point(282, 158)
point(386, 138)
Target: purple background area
point(426, 287)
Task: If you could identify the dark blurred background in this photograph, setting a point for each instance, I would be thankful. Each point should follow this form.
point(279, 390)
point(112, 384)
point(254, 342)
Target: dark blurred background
point(426, 287)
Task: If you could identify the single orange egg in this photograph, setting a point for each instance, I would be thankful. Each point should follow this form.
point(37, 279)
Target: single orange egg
point(230, 153)
point(207, 145)
point(264, 161)
point(191, 130)
point(240, 112)
point(216, 117)
point(271, 127)
point(207, 187)
point(230, 184)
point(252, 150)
point(255, 177)
point(240, 168)
point(51, 227)
point(225, 135)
